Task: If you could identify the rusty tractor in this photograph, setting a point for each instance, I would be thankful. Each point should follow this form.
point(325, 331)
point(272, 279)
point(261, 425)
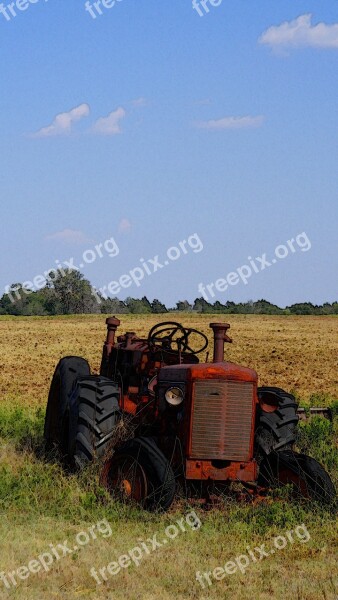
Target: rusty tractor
point(158, 418)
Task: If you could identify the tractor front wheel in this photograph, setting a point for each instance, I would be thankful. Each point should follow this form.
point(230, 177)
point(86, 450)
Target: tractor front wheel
point(304, 474)
point(139, 472)
point(94, 415)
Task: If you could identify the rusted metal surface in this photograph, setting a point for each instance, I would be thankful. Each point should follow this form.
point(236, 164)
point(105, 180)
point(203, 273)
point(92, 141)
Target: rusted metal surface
point(222, 419)
point(220, 337)
point(225, 370)
point(212, 436)
point(234, 471)
point(112, 325)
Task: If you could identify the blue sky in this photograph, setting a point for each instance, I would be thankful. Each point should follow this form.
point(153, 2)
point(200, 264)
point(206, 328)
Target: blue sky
point(172, 124)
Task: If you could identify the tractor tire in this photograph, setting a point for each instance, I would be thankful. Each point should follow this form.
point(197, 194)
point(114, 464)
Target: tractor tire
point(276, 430)
point(306, 476)
point(66, 374)
point(138, 471)
point(94, 413)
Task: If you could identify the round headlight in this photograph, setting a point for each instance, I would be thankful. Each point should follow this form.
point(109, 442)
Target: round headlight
point(174, 396)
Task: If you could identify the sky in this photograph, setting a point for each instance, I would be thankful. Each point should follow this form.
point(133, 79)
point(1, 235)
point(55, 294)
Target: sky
point(164, 147)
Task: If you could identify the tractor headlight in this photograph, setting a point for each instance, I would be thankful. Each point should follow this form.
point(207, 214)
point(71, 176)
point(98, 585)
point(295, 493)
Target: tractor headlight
point(174, 396)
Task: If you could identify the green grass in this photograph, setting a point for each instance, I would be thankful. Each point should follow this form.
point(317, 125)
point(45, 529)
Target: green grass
point(34, 483)
point(19, 424)
point(318, 438)
point(40, 505)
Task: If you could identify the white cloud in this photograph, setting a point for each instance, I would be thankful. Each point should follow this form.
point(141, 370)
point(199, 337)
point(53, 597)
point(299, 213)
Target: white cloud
point(124, 226)
point(110, 125)
point(62, 124)
point(68, 236)
point(231, 123)
point(301, 33)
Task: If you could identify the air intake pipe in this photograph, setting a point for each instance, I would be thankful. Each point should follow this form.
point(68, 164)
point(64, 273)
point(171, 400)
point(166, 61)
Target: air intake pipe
point(220, 337)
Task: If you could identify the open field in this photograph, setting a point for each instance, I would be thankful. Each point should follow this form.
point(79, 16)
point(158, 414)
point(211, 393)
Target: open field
point(41, 506)
point(295, 353)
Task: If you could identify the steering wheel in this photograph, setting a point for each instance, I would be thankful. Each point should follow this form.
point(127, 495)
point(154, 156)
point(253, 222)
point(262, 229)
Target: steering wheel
point(169, 332)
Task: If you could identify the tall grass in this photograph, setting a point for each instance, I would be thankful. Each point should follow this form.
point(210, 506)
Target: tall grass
point(32, 485)
point(40, 504)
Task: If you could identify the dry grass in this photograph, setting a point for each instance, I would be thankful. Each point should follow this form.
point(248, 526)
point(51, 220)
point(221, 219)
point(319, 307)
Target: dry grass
point(295, 353)
point(301, 571)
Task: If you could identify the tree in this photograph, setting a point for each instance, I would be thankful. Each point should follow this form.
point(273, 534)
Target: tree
point(68, 292)
point(305, 308)
point(15, 301)
point(74, 293)
point(231, 307)
point(157, 307)
point(202, 306)
point(266, 308)
point(183, 306)
point(113, 306)
point(219, 308)
point(136, 306)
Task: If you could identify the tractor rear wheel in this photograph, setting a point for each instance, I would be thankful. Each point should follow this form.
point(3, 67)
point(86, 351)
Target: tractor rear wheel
point(276, 430)
point(138, 471)
point(94, 413)
point(305, 475)
point(66, 374)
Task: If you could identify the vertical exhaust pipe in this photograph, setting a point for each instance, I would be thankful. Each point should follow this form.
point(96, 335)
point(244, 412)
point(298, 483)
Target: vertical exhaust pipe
point(220, 337)
point(112, 325)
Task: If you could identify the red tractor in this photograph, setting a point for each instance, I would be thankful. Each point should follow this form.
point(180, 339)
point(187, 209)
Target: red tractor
point(157, 416)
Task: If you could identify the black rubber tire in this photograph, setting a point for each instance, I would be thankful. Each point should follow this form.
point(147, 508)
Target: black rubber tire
point(94, 413)
point(277, 429)
point(160, 476)
point(68, 370)
point(315, 481)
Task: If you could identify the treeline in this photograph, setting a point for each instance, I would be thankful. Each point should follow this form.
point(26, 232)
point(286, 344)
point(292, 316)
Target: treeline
point(71, 293)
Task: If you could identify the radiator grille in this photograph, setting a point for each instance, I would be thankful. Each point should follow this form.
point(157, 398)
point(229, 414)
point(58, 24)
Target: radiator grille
point(221, 420)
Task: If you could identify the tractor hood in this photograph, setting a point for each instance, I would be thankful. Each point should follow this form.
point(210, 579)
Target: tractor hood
point(221, 370)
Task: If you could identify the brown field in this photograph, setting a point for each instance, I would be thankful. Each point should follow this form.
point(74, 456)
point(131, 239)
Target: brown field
point(299, 354)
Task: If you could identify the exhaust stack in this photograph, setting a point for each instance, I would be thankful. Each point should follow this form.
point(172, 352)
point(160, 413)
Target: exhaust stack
point(220, 337)
point(112, 325)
